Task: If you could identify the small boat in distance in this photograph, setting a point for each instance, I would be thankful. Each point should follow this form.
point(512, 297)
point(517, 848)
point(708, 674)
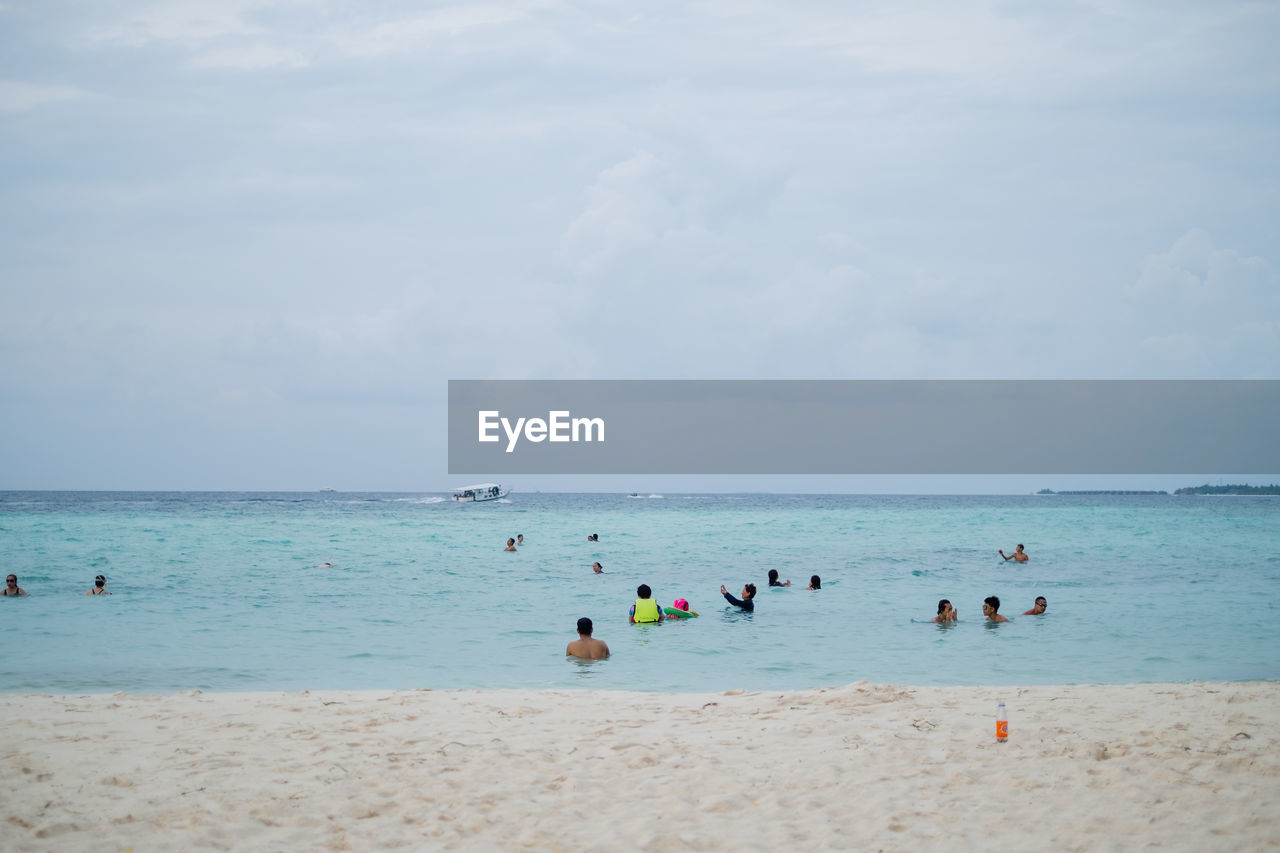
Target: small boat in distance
point(480, 492)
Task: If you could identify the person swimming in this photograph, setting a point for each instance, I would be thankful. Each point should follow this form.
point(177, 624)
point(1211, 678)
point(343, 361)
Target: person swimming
point(773, 579)
point(815, 582)
point(946, 613)
point(99, 586)
point(991, 609)
point(1018, 555)
point(645, 609)
point(681, 605)
point(747, 602)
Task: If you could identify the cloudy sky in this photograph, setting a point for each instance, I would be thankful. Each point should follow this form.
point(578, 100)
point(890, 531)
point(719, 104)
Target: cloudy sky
point(244, 244)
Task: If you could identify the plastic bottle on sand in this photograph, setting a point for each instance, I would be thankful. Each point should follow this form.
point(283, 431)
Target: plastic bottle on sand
point(1002, 723)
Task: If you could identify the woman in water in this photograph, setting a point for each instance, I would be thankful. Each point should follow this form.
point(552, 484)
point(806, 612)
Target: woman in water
point(773, 579)
point(815, 582)
point(99, 586)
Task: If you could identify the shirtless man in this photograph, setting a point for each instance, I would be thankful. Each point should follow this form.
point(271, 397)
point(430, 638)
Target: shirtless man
point(1019, 555)
point(991, 608)
point(1038, 607)
point(11, 586)
point(511, 545)
point(946, 613)
point(587, 646)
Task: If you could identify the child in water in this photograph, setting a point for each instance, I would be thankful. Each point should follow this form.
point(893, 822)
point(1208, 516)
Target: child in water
point(681, 608)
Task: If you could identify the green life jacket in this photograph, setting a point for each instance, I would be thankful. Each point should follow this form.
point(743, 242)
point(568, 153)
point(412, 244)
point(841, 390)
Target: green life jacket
point(647, 610)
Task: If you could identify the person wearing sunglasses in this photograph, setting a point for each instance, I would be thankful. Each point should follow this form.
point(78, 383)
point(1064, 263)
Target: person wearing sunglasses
point(11, 586)
point(1038, 607)
point(99, 586)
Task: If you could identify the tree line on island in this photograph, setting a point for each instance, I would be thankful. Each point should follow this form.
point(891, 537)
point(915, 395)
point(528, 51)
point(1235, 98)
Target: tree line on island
point(1206, 489)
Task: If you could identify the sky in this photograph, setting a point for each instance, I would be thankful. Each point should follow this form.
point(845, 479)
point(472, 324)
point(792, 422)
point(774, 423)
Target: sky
point(245, 244)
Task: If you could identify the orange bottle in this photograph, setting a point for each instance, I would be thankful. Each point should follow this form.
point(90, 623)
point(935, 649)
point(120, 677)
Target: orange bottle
point(1002, 723)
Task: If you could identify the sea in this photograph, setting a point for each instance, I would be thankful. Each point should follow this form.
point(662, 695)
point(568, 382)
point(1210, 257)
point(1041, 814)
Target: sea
point(261, 591)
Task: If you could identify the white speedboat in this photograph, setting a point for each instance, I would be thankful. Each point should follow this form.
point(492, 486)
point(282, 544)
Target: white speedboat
point(480, 492)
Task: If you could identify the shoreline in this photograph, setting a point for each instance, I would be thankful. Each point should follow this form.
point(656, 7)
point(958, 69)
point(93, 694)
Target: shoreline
point(1182, 765)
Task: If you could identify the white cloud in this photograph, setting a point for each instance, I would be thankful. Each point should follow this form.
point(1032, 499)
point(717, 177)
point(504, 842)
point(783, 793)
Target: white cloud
point(1207, 311)
point(400, 35)
point(182, 21)
point(250, 57)
point(16, 96)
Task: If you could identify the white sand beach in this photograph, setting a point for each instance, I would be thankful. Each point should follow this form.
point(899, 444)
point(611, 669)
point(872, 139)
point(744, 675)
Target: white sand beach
point(861, 767)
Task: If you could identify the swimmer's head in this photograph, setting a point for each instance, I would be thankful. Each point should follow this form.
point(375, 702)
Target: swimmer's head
point(943, 605)
point(597, 568)
point(749, 591)
point(584, 626)
point(100, 581)
point(815, 582)
point(680, 604)
point(773, 575)
point(993, 602)
point(643, 591)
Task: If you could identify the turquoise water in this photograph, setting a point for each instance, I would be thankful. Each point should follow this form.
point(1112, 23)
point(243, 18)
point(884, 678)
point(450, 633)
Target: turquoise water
point(225, 591)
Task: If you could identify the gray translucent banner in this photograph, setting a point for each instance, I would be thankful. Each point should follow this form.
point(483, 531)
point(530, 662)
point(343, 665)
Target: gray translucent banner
point(863, 427)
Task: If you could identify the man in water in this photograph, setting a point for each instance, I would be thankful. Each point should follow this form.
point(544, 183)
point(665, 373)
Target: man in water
point(1038, 608)
point(991, 610)
point(597, 568)
point(511, 545)
point(946, 613)
point(1019, 555)
point(587, 646)
point(11, 586)
point(594, 537)
point(99, 586)
point(645, 609)
point(748, 597)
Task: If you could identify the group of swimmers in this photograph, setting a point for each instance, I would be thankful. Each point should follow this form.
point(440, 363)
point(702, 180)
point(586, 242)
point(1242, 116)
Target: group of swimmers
point(11, 586)
point(646, 610)
point(990, 610)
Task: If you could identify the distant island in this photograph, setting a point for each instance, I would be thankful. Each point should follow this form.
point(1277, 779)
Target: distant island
point(1230, 489)
point(1101, 492)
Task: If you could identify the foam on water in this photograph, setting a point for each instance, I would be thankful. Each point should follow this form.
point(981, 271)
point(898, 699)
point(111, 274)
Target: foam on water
point(229, 591)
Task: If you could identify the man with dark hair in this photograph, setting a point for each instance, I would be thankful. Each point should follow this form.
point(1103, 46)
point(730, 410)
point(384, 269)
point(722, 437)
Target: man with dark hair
point(645, 609)
point(747, 602)
point(1038, 608)
point(991, 610)
point(1018, 555)
point(587, 646)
